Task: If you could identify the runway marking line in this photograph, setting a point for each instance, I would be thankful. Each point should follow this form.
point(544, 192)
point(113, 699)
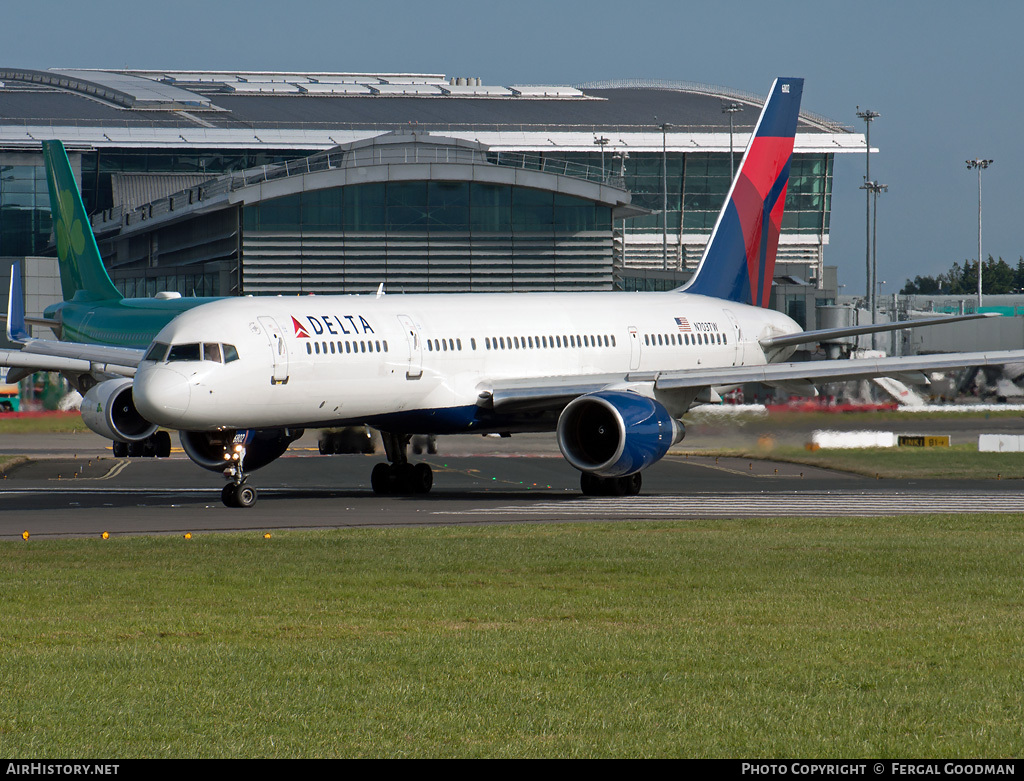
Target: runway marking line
point(114, 471)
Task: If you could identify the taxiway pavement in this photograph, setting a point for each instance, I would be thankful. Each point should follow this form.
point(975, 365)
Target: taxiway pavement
point(78, 489)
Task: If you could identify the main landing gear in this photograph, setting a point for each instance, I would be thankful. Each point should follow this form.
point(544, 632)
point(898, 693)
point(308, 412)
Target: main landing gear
point(157, 445)
point(592, 485)
point(399, 476)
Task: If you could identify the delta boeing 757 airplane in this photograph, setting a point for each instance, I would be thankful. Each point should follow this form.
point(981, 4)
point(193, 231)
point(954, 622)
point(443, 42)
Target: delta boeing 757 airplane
point(610, 373)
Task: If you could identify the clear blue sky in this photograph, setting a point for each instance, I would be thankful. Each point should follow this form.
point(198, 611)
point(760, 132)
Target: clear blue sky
point(945, 76)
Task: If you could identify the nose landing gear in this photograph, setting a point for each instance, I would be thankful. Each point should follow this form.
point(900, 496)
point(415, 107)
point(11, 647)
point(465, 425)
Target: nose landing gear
point(236, 493)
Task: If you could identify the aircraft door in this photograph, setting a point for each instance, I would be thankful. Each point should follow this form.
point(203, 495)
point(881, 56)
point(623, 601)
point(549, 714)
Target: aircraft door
point(634, 349)
point(83, 328)
point(412, 335)
point(738, 356)
point(278, 348)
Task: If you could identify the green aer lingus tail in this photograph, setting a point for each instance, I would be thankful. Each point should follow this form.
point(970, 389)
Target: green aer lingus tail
point(101, 335)
point(93, 311)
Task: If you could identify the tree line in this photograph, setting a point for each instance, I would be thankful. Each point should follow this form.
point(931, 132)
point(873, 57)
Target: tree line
point(997, 277)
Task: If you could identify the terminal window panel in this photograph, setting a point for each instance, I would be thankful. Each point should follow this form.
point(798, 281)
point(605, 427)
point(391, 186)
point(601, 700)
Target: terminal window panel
point(398, 207)
point(98, 166)
point(25, 222)
point(808, 196)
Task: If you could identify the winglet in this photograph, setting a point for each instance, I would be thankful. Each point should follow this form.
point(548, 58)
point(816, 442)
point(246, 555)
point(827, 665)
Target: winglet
point(17, 331)
point(739, 261)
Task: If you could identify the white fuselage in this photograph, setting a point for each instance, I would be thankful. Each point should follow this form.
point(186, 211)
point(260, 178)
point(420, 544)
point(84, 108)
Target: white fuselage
point(315, 361)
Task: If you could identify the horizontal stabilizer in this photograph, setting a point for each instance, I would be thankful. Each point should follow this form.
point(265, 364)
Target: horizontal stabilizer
point(831, 334)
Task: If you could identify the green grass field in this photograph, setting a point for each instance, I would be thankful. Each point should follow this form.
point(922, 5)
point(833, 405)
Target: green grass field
point(810, 638)
point(69, 424)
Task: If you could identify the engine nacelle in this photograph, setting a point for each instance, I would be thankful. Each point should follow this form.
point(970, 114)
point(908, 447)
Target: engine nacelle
point(109, 409)
point(616, 433)
point(218, 450)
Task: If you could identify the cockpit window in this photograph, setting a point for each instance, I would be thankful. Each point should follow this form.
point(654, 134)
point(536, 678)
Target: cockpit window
point(230, 353)
point(185, 352)
point(211, 352)
point(157, 352)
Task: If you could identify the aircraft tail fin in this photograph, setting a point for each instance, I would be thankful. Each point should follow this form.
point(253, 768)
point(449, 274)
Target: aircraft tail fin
point(82, 273)
point(739, 261)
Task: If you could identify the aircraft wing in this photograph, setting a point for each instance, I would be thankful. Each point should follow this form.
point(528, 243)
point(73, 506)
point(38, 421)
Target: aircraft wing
point(47, 355)
point(551, 391)
point(904, 367)
point(543, 392)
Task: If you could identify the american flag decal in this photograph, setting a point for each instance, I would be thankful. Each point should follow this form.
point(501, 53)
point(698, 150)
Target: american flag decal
point(684, 325)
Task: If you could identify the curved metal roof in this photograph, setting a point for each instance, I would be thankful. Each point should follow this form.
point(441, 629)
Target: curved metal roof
point(367, 101)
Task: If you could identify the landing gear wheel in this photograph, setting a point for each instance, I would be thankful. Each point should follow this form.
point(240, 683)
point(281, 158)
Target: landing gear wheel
point(402, 479)
point(380, 479)
point(227, 495)
point(422, 479)
point(120, 449)
point(245, 495)
point(590, 484)
point(238, 495)
point(633, 484)
point(593, 485)
point(162, 444)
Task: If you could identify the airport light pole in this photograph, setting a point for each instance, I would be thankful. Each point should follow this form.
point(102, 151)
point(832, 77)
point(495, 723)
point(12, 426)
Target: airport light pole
point(664, 195)
point(874, 189)
point(602, 142)
point(731, 109)
point(622, 157)
point(981, 165)
point(868, 117)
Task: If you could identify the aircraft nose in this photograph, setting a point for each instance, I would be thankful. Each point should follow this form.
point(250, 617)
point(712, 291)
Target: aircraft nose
point(161, 395)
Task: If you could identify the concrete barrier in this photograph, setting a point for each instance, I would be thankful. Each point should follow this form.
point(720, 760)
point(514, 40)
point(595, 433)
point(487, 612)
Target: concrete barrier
point(1000, 443)
point(852, 439)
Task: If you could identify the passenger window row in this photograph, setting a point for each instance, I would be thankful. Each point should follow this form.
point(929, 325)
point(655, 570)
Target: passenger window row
point(547, 342)
point(444, 345)
point(346, 348)
point(684, 340)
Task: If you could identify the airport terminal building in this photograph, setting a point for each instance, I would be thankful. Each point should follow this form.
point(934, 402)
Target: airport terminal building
point(282, 183)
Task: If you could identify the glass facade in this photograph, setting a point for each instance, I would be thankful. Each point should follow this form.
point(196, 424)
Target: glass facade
point(25, 222)
point(697, 183)
point(428, 206)
point(188, 283)
point(97, 167)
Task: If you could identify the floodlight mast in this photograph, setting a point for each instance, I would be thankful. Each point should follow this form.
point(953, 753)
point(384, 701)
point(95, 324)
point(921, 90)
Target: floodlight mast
point(874, 189)
point(868, 116)
point(981, 165)
point(730, 109)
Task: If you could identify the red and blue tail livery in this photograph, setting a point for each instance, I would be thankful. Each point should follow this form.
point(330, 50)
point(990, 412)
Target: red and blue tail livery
point(739, 261)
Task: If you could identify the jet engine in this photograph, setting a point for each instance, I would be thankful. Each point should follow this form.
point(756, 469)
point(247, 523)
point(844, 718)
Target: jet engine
point(616, 433)
point(109, 410)
point(218, 450)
